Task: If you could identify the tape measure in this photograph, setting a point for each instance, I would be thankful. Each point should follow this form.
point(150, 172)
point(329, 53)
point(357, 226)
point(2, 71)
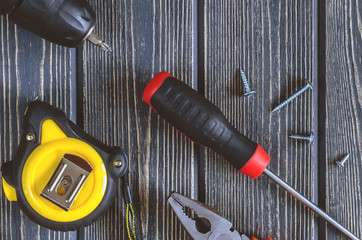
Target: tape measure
point(61, 177)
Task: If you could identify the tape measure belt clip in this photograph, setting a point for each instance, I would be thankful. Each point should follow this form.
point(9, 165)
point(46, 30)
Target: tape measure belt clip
point(67, 180)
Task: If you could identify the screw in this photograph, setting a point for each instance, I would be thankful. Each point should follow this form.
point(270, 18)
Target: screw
point(301, 137)
point(308, 85)
point(65, 182)
point(117, 163)
point(30, 137)
point(248, 91)
point(341, 163)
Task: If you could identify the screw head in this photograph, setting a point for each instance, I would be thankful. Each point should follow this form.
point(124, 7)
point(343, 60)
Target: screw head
point(311, 137)
point(30, 137)
point(340, 164)
point(247, 94)
point(309, 84)
point(65, 182)
point(117, 163)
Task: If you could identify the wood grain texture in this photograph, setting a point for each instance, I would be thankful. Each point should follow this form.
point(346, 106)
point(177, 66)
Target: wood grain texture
point(29, 68)
point(147, 37)
point(342, 115)
point(272, 41)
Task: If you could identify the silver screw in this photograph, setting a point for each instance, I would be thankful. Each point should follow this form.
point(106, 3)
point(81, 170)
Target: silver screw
point(248, 91)
point(30, 137)
point(117, 163)
point(309, 138)
point(341, 163)
point(308, 85)
point(65, 182)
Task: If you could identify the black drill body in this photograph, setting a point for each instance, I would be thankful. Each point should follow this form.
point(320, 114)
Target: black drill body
point(64, 22)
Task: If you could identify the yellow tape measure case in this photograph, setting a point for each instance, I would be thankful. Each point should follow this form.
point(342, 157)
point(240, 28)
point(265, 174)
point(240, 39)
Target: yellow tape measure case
point(61, 177)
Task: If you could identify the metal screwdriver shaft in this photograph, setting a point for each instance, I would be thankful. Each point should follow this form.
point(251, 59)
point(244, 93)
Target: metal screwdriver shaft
point(308, 85)
point(309, 204)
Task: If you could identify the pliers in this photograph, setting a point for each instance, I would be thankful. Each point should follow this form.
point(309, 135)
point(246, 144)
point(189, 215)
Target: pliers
point(201, 221)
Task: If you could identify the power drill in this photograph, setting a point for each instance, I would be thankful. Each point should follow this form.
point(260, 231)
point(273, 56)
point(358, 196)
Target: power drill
point(65, 22)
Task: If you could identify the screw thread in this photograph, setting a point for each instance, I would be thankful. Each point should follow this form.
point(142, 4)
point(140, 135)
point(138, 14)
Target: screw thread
point(300, 91)
point(245, 81)
point(342, 161)
point(300, 137)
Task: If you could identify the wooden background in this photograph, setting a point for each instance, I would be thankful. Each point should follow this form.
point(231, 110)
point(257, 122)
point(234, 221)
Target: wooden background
point(204, 43)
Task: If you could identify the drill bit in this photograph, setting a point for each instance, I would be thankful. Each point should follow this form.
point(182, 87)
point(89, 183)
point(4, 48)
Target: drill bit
point(96, 40)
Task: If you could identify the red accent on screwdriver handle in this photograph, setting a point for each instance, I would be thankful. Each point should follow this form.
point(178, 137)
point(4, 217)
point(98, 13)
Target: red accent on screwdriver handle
point(254, 238)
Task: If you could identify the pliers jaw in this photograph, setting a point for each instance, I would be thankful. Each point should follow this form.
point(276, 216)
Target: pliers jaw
point(200, 221)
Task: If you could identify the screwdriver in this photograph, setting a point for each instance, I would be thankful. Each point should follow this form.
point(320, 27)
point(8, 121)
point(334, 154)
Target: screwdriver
point(65, 22)
point(203, 123)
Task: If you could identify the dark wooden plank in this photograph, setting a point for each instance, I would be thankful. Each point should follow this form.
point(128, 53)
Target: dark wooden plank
point(147, 37)
point(341, 73)
point(273, 42)
point(29, 68)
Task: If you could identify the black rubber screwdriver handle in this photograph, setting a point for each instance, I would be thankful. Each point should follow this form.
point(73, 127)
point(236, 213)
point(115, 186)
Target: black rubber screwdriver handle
point(203, 122)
